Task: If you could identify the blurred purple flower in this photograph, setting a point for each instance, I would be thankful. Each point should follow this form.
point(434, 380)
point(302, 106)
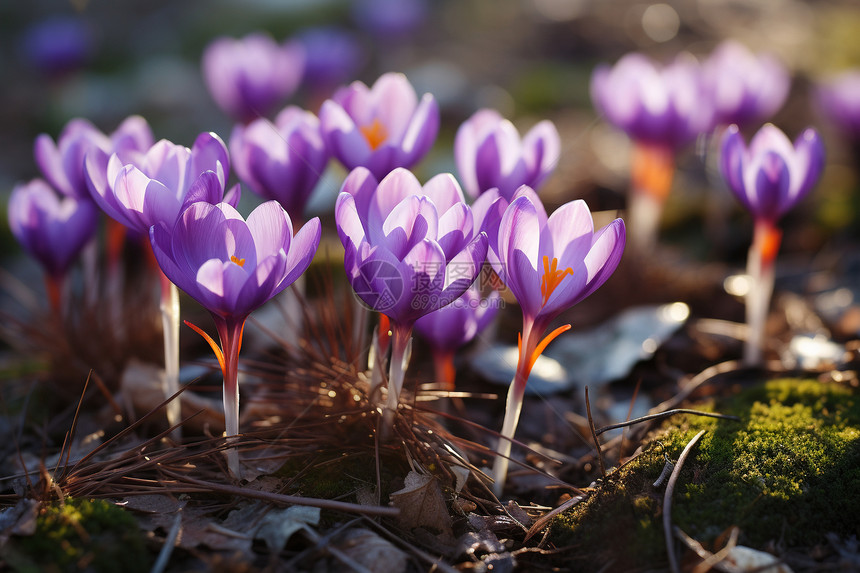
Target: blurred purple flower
point(379, 128)
point(390, 20)
point(838, 99)
point(456, 324)
point(771, 175)
point(251, 76)
point(281, 161)
point(143, 189)
point(332, 56)
point(661, 106)
point(62, 163)
point(489, 153)
point(232, 266)
point(744, 88)
point(58, 45)
point(51, 227)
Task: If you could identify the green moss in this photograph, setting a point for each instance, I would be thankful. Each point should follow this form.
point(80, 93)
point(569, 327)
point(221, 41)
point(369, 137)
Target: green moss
point(81, 535)
point(788, 471)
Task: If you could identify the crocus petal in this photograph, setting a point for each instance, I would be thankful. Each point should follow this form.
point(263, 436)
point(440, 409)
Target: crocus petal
point(732, 152)
point(361, 184)
point(568, 232)
point(769, 176)
point(350, 228)
point(210, 154)
point(809, 151)
point(421, 131)
point(395, 101)
point(342, 136)
point(271, 228)
point(445, 192)
point(412, 220)
point(302, 250)
point(207, 187)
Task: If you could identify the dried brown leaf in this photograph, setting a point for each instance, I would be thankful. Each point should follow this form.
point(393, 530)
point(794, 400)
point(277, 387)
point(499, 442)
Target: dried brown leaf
point(422, 504)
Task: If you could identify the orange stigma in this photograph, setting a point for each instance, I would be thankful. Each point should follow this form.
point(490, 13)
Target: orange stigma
point(375, 134)
point(552, 277)
point(237, 260)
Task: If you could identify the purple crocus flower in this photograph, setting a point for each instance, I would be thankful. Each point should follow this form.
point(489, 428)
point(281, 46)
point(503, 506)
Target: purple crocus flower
point(143, 189)
point(53, 228)
point(251, 76)
point(57, 45)
point(661, 106)
point(381, 127)
point(745, 88)
point(62, 163)
point(661, 109)
point(769, 177)
point(283, 161)
point(455, 325)
point(838, 99)
point(490, 153)
point(232, 266)
point(549, 264)
point(389, 20)
point(332, 56)
point(409, 251)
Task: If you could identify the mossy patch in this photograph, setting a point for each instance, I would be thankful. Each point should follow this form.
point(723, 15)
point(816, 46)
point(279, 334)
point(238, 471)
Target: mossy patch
point(80, 535)
point(789, 472)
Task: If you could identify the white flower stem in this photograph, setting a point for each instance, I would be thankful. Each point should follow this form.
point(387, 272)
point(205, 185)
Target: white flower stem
point(399, 360)
point(170, 324)
point(513, 407)
point(760, 268)
point(231, 341)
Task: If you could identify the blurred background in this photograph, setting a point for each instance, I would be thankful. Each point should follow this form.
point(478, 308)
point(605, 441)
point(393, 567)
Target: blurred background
point(530, 59)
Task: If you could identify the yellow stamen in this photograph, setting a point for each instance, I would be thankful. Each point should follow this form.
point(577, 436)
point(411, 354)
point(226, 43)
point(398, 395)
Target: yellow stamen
point(375, 134)
point(552, 277)
point(237, 260)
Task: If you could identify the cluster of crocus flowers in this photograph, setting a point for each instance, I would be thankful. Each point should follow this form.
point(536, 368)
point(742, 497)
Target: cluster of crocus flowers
point(549, 263)
point(249, 77)
point(380, 127)
point(55, 218)
point(769, 177)
point(232, 266)
point(409, 250)
point(661, 108)
point(142, 189)
point(491, 155)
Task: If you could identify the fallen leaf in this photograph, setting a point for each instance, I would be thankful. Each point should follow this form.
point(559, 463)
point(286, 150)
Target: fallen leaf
point(422, 504)
point(279, 525)
point(371, 551)
point(748, 560)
